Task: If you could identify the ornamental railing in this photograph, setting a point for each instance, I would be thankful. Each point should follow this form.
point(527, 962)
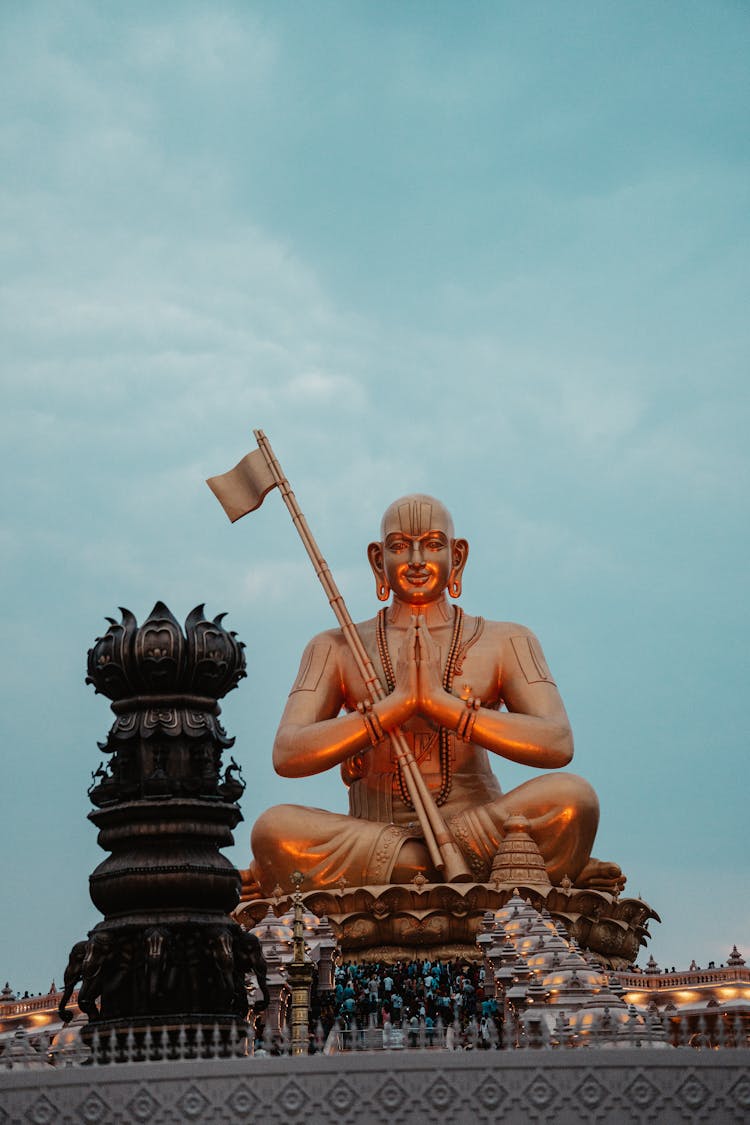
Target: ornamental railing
point(19, 1007)
point(530, 1031)
point(645, 982)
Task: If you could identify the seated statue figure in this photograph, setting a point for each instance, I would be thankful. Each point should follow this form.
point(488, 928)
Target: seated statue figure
point(460, 688)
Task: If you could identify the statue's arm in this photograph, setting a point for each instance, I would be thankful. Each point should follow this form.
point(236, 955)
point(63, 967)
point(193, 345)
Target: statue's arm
point(535, 730)
point(313, 736)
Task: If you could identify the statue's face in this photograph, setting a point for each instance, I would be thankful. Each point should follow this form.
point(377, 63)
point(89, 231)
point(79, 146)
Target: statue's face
point(417, 544)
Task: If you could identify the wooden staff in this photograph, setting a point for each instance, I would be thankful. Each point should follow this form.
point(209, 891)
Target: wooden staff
point(444, 851)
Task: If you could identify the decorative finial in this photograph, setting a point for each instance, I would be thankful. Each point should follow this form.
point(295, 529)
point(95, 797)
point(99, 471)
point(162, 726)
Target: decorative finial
point(157, 657)
point(419, 880)
point(566, 882)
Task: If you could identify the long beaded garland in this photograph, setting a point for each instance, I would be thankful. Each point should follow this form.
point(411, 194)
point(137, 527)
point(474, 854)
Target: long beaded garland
point(446, 758)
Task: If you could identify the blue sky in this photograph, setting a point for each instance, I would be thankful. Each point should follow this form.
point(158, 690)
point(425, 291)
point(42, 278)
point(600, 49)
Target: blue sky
point(497, 252)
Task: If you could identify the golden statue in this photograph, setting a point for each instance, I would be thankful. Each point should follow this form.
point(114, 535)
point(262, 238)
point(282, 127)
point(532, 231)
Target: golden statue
point(457, 687)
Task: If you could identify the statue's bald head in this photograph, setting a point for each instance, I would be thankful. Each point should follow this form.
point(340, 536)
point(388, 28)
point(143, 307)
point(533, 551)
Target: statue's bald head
point(415, 515)
point(418, 557)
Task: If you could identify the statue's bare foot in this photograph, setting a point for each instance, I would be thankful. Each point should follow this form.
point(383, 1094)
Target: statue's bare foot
point(598, 875)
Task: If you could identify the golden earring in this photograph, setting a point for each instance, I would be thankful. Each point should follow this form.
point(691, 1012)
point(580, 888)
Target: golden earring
point(454, 587)
point(383, 591)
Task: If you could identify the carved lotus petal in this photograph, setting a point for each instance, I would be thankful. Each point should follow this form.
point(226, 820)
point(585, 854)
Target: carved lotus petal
point(110, 660)
point(159, 648)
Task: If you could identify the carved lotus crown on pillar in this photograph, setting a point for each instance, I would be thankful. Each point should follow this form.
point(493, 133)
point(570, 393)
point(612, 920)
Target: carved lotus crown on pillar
point(164, 685)
point(158, 658)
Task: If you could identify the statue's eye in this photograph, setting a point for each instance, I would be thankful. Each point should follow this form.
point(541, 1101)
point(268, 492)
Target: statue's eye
point(397, 545)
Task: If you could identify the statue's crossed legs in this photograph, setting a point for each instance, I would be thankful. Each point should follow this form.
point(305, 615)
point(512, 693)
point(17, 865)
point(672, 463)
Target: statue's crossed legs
point(562, 810)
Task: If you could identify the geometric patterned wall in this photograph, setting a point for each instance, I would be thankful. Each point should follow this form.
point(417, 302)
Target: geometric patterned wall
point(618, 1086)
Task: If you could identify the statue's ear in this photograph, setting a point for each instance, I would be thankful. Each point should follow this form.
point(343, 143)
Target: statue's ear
point(459, 553)
point(375, 555)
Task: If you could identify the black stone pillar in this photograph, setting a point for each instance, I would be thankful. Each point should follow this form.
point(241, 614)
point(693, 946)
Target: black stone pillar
point(167, 951)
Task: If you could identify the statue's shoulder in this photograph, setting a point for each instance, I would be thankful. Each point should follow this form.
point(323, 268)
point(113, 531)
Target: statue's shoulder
point(334, 641)
point(518, 651)
point(329, 639)
point(499, 631)
point(320, 660)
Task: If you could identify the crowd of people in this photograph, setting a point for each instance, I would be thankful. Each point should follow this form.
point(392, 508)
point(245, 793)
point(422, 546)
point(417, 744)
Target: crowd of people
point(415, 998)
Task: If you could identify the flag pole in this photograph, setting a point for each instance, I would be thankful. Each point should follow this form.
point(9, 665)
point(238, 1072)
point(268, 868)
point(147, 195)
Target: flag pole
point(443, 849)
